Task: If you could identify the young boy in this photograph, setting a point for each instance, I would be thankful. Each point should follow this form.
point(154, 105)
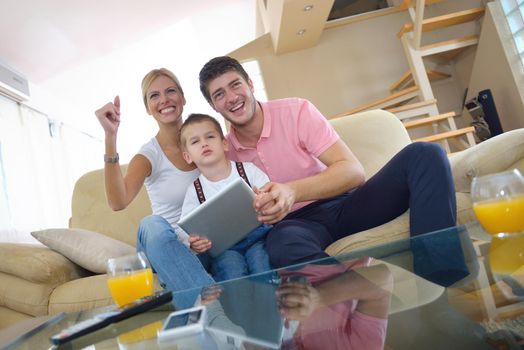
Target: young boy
point(203, 143)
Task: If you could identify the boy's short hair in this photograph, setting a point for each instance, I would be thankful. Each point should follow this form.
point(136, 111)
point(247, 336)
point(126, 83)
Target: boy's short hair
point(216, 67)
point(195, 118)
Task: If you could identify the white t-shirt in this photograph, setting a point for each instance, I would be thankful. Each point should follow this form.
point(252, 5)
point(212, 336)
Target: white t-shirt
point(167, 185)
point(256, 177)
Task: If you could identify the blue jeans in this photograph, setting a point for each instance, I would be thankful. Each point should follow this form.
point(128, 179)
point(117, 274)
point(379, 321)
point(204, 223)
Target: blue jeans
point(249, 256)
point(176, 266)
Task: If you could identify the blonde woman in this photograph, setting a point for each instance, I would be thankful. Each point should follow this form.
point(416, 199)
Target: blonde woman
point(160, 166)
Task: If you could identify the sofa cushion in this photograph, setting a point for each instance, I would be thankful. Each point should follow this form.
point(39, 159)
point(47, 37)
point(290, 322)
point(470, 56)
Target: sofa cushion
point(23, 296)
point(84, 294)
point(499, 153)
point(38, 264)
point(388, 232)
point(465, 212)
point(361, 131)
point(86, 248)
point(90, 210)
point(9, 317)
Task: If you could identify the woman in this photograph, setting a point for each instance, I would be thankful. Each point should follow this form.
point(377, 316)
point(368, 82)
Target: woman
point(160, 166)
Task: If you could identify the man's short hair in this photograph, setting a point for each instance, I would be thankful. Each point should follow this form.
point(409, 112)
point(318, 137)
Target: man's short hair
point(196, 118)
point(216, 67)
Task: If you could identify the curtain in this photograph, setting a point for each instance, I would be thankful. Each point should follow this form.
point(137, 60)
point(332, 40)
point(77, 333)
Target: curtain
point(40, 160)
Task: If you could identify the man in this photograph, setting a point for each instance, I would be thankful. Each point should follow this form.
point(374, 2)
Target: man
point(317, 190)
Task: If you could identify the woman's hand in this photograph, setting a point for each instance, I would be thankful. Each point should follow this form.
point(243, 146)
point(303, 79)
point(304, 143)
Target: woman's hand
point(109, 116)
point(199, 244)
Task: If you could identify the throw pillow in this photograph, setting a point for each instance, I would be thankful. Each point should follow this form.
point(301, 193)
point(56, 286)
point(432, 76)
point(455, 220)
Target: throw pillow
point(87, 249)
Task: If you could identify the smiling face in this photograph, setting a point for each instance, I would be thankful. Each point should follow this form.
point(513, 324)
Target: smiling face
point(203, 144)
point(232, 96)
point(164, 100)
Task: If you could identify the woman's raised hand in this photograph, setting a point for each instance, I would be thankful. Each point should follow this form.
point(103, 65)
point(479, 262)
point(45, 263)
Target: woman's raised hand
point(109, 116)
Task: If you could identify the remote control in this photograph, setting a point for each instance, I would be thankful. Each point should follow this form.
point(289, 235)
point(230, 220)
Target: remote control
point(113, 316)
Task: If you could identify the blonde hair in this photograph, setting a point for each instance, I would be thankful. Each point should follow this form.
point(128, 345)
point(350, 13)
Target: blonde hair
point(151, 76)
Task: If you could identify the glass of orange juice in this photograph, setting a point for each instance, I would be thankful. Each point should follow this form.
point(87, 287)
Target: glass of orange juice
point(129, 277)
point(498, 203)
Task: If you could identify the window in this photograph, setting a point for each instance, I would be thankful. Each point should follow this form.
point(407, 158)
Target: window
point(514, 12)
point(347, 8)
point(40, 160)
point(253, 70)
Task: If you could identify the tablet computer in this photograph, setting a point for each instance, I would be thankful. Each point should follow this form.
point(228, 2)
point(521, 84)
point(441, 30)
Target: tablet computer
point(225, 218)
point(241, 319)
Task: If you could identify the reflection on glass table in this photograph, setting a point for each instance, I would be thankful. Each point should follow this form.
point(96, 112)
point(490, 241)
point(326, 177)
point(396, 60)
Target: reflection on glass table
point(433, 291)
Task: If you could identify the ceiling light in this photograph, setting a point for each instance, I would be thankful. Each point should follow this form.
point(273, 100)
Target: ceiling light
point(308, 8)
point(301, 32)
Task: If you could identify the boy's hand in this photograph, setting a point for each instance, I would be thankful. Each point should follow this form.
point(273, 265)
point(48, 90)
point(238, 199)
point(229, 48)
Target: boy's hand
point(199, 244)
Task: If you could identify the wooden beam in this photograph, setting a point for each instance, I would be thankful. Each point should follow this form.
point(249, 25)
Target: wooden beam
point(446, 135)
point(428, 120)
point(449, 45)
point(443, 21)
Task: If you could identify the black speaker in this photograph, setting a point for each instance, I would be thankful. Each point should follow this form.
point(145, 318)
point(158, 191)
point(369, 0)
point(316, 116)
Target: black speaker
point(485, 98)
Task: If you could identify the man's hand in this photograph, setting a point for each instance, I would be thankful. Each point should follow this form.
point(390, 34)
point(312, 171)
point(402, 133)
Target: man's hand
point(199, 244)
point(273, 202)
point(297, 300)
point(210, 293)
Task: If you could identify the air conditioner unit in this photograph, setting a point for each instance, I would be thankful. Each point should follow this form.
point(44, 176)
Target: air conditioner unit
point(13, 84)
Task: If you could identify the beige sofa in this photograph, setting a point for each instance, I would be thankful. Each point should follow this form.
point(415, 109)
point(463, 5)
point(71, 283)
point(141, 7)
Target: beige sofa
point(35, 280)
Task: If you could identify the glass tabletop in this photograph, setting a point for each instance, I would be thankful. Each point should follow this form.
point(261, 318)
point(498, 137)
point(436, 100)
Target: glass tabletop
point(432, 291)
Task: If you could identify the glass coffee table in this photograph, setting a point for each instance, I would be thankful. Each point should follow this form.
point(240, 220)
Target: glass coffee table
point(433, 291)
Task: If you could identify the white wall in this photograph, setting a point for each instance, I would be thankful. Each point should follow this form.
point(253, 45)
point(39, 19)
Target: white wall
point(352, 65)
point(183, 48)
point(42, 171)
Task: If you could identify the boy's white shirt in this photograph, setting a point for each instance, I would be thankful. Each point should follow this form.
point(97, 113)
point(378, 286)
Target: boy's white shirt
point(257, 178)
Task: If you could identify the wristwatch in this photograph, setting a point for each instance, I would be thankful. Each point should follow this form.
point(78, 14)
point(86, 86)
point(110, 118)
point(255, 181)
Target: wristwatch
point(111, 159)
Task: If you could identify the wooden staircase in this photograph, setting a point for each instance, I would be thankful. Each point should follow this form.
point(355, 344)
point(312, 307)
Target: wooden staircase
point(412, 99)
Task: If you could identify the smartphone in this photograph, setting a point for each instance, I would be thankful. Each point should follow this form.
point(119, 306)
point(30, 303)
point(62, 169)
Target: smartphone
point(183, 323)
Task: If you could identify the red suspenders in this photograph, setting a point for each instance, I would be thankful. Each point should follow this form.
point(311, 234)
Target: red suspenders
point(198, 185)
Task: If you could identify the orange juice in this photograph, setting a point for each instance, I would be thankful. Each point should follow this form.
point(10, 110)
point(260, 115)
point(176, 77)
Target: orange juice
point(503, 215)
point(129, 287)
point(506, 253)
point(143, 333)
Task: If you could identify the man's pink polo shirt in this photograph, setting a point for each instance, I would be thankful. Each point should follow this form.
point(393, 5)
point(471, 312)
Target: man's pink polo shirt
point(294, 135)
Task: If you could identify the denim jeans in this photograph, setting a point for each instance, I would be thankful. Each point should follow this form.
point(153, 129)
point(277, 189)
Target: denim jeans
point(249, 256)
point(176, 266)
